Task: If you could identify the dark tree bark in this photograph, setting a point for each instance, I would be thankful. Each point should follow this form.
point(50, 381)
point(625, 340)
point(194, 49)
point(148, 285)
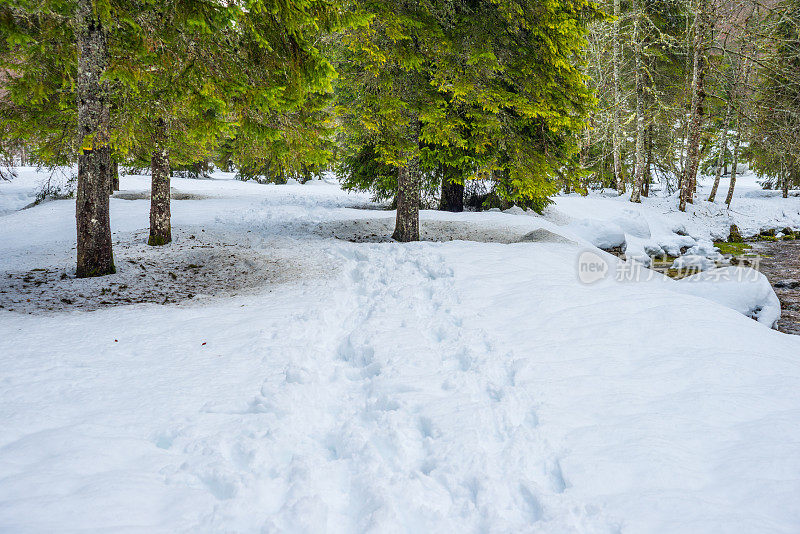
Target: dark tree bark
point(619, 182)
point(689, 178)
point(95, 256)
point(648, 177)
point(785, 189)
point(408, 185)
point(638, 179)
point(160, 229)
point(734, 161)
point(114, 176)
point(452, 192)
point(722, 149)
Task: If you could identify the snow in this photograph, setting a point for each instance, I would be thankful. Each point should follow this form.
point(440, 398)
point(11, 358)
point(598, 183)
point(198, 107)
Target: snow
point(369, 386)
point(21, 191)
point(656, 226)
point(744, 290)
point(693, 260)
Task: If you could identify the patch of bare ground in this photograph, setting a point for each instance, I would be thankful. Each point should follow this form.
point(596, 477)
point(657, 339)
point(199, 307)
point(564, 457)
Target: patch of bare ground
point(197, 263)
point(145, 195)
point(379, 230)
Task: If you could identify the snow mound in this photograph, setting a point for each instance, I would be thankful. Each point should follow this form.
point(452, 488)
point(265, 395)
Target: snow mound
point(693, 261)
point(633, 223)
point(602, 234)
point(742, 289)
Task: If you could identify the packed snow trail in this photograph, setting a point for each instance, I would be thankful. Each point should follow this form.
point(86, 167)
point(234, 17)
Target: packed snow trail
point(390, 388)
point(401, 422)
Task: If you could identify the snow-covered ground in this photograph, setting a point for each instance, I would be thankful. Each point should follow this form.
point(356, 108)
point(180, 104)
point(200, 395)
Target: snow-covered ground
point(377, 387)
point(656, 226)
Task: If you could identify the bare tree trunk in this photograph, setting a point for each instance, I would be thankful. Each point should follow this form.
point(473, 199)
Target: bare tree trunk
point(452, 191)
point(684, 121)
point(696, 117)
point(160, 229)
point(95, 257)
point(638, 180)
point(649, 164)
point(113, 182)
point(785, 183)
point(408, 185)
point(735, 159)
point(722, 149)
point(617, 58)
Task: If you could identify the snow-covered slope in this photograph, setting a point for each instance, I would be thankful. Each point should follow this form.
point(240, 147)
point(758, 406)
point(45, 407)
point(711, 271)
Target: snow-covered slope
point(429, 387)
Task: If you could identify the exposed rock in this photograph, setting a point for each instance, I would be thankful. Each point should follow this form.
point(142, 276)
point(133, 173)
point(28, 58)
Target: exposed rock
point(735, 235)
point(769, 232)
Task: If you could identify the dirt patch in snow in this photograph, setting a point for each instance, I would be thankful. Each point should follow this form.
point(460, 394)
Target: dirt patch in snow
point(380, 231)
point(197, 263)
point(145, 195)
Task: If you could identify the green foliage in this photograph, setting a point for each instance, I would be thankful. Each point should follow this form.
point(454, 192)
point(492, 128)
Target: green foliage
point(426, 80)
point(363, 171)
point(183, 75)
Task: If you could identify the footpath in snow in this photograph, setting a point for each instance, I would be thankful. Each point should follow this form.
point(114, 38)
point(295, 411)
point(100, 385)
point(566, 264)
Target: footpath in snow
point(342, 386)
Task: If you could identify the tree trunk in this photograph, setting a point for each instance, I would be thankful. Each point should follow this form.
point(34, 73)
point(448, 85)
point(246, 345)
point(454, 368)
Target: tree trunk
point(696, 116)
point(722, 149)
point(160, 230)
point(113, 182)
point(95, 257)
point(452, 192)
point(408, 185)
point(649, 164)
point(785, 184)
point(638, 180)
point(684, 121)
point(616, 58)
point(734, 161)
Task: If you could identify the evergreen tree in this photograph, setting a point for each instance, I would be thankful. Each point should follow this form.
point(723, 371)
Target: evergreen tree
point(282, 108)
point(171, 99)
point(424, 82)
point(177, 73)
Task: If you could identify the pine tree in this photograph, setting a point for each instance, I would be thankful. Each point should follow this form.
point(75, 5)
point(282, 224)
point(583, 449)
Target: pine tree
point(178, 75)
point(619, 181)
point(56, 55)
point(424, 82)
point(171, 96)
point(282, 107)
